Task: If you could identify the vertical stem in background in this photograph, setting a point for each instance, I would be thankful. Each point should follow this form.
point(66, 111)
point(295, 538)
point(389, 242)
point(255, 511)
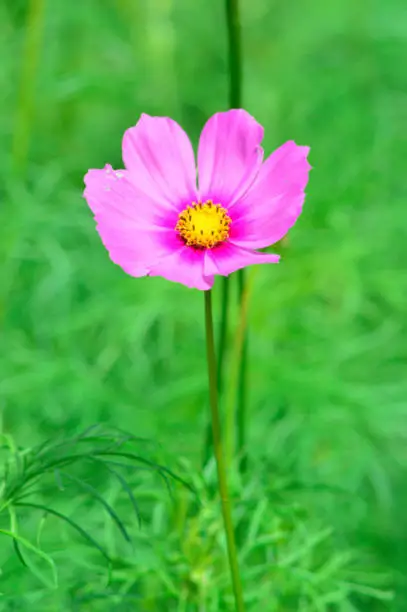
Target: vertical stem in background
point(235, 53)
point(234, 101)
point(34, 27)
point(236, 392)
point(221, 357)
point(219, 455)
point(241, 406)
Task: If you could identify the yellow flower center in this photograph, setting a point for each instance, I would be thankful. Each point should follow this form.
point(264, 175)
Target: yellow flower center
point(204, 225)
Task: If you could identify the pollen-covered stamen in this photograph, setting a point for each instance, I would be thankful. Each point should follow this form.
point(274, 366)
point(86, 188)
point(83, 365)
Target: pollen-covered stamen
point(204, 225)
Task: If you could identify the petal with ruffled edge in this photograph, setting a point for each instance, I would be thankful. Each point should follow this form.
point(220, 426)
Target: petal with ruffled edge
point(228, 258)
point(274, 201)
point(159, 157)
point(134, 229)
point(229, 156)
point(109, 189)
point(186, 266)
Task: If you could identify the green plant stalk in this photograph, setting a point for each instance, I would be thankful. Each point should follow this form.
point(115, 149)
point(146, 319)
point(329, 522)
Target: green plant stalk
point(32, 45)
point(235, 98)
point(219, 455)
point(242, 388)
point(236, 392)
point(235, 53)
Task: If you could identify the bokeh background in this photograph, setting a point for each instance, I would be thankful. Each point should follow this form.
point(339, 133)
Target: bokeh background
point(322, 518)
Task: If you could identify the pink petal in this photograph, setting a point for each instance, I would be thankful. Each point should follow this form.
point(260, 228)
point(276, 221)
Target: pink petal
point(274, 201)
point(134, 230)
point(228, 258)
point(229, 156)
point(160, 159)
point(186, 266)
point(110, 189)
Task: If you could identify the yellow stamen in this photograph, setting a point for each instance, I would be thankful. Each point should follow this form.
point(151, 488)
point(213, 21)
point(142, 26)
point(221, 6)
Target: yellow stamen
point(204, 225)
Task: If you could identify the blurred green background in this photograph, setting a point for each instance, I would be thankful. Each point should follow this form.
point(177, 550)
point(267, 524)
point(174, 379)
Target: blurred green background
point(322, 518)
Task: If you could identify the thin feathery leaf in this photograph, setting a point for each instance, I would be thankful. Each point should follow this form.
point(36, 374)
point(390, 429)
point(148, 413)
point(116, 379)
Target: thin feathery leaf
point(94, 493)
point(19, 553)
point(161, 469)
point(38, 552)
point(123, 482)
point(70, 522)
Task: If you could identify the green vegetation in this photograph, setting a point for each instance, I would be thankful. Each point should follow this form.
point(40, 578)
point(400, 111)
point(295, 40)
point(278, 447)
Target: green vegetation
point(321, 519)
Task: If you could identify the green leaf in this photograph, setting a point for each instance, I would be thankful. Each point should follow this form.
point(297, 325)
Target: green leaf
point(94, 493)
point(37, 551)
point(70, 522)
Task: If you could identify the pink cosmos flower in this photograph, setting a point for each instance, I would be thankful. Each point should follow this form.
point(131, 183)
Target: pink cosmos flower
point(154, 220)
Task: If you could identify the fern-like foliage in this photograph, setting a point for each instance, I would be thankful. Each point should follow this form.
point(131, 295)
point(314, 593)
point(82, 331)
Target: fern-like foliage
point(38, 481)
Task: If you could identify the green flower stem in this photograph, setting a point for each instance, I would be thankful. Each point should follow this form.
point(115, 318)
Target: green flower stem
point(219, 455)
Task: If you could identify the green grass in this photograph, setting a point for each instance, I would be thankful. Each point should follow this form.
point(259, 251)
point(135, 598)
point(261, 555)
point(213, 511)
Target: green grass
point(321, 521)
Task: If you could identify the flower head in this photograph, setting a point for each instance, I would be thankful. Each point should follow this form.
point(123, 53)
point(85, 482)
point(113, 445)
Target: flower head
point(155, 220)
